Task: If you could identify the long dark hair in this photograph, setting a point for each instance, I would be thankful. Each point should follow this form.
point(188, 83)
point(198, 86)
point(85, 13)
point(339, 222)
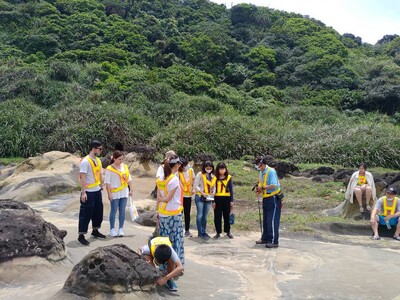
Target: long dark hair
point(168, 165)
point(207, 164)
point(115, 155)
point(364, 165)
point(221, 165)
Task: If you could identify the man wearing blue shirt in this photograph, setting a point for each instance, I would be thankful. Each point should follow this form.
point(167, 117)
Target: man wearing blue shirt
point(269, 188)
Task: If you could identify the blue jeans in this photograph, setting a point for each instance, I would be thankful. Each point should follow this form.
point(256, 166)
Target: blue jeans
point(120, 205)
point(203, 208)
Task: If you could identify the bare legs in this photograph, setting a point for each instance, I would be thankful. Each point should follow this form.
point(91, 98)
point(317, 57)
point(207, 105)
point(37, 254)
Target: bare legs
point(359, 191)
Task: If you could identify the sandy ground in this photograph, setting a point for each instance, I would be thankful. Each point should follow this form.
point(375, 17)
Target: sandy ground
point(302, 268)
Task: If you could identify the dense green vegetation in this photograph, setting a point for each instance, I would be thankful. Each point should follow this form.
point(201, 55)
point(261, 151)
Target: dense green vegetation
point(194, 76)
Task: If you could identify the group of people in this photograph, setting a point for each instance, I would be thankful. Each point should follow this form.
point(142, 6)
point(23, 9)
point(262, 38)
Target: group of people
point(177, 185)
point(386, 210)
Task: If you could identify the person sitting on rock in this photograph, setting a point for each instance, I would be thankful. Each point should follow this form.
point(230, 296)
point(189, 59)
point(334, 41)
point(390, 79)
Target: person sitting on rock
point(361, 182)
point(388, 208)
point(159, 251)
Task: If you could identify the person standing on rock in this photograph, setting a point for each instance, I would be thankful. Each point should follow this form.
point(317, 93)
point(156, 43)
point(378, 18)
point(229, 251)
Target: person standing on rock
point(91, 208)
point(118, 182)
point(170, 205)
point(361, 183)
point(223, 200)
point(269, 188)
point(386, 212)
point(158, 252)
point(204, 187)
point(186, 176)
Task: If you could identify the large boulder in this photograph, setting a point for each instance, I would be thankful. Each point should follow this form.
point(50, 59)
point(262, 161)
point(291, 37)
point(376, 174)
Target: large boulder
point(23, 233)
point(40, 176)
point(109, 270)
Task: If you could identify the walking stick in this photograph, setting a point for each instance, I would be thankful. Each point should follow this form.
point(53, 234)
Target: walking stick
point(259, 212)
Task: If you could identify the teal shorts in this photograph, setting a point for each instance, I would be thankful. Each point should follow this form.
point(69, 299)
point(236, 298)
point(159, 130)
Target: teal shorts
point(392, 222)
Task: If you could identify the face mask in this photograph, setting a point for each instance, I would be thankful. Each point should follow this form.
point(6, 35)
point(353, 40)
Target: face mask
point(208, 171)
point(96, 154)
point(187, 168)
point(257, 167)
point(389, 199)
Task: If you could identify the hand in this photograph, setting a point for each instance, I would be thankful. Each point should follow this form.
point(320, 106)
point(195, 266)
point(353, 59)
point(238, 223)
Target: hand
point(387, 218)
point(161, 281)
point(213, 205)
point(130, 193)
point(83, 197)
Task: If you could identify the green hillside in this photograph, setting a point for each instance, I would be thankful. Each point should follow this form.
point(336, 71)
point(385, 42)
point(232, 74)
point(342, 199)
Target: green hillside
point(194, 76)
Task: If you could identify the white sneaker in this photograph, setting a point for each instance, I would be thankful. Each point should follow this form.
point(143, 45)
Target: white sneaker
point(113, 232)
point(121, 232)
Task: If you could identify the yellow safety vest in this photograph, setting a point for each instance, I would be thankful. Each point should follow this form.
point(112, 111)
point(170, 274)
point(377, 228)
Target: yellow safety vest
point(154, 242)
point(96, 169)
point(162, 206)
point(264, 184)
point(222, 186)
point(187, 184)
point(207, 185)
point(389, 210)
point(123, 176)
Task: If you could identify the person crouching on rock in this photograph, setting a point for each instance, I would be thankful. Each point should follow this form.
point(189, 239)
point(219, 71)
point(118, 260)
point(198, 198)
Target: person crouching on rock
point(91, 200)
point(118, 182)
point(158, 252)
point(388, 208)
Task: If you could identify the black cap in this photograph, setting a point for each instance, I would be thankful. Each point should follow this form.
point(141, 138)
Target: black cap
point(260, 160)
point(391, 190)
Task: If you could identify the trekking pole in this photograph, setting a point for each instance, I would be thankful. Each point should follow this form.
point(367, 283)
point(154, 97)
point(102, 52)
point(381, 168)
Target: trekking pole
point(259, 212)
point(259, 207)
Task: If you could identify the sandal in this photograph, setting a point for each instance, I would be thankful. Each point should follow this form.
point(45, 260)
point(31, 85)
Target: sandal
point(368, 208)
point(397, 238)
point(361, 209)
point(375, 238)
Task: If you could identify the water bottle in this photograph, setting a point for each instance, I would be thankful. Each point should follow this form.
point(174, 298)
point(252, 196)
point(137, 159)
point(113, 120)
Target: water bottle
point(388, 225)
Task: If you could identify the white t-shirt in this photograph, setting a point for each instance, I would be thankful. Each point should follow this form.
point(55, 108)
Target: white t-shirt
point(85, 168)
point(174, 256)
point(114, 180)
point(160, 172)
point(175, 201)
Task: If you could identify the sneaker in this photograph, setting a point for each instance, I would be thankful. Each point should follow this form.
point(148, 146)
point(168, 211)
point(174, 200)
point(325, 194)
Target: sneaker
point(270, 245)
point(207, 236)
point(188, 234)
point(171, 285)
point(97, 234)
point(113, 232)
point(229, 235)
point(217, 236)
point(121, 232)
point(82, 240)
point(259, 242)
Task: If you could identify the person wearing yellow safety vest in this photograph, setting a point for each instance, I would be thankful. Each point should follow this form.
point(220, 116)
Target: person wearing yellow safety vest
point(186, 176)
point(91, 200)
point(204, 187)
point(269, 188)
point(223, 200)
point(386, 212)
point(170, 205)
point(159, 251)
point(118, 182)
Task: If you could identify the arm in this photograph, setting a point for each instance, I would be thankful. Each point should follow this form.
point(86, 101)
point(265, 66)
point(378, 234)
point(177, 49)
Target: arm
point(196, 184)
point(169, 196)
point(130, 183)
point(108, 189)
point(374, 213)
point(82, 181)
point(230, 187)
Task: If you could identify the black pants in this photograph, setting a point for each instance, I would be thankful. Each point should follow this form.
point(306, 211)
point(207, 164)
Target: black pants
point(271, 219)
point(222, 209)
point(187, 205)
point(92, 209)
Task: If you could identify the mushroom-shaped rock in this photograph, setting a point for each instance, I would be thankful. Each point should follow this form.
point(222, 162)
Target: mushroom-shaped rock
point(109, 270)
point(23, 233)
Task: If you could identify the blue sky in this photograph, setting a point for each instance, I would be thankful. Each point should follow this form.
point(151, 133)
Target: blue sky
point(369, 19)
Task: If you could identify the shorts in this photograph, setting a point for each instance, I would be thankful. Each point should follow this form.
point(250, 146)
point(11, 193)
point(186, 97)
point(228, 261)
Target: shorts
point(392, 222)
